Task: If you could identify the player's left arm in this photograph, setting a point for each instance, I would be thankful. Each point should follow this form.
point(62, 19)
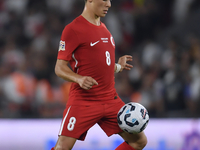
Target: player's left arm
point(122, 63)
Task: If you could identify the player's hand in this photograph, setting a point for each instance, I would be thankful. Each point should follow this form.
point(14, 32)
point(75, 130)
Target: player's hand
point(87, 82)
point(123, 62)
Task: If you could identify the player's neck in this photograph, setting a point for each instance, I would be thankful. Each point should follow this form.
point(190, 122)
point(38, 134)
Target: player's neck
point(91, 17)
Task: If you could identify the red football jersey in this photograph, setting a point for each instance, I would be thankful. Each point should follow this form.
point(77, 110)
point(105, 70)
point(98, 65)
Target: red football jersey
point(90, 50)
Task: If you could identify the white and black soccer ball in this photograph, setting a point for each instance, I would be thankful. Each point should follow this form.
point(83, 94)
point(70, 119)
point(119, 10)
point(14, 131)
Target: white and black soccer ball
point(133, 118)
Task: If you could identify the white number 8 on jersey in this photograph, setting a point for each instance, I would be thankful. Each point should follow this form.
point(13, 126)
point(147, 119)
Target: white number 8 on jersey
point(108, 60)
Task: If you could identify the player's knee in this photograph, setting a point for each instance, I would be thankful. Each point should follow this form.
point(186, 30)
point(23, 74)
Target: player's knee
point(139, 145)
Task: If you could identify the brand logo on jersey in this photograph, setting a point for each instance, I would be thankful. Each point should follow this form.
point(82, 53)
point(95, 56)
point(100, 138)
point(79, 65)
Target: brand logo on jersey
point(62, 46)
point(112, 41)
point(92, 44)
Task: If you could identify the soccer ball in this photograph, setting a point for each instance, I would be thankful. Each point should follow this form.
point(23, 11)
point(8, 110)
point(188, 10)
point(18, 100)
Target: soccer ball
point(133, 118)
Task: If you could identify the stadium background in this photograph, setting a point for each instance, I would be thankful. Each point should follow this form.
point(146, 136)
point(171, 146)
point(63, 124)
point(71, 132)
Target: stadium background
point(162, 36)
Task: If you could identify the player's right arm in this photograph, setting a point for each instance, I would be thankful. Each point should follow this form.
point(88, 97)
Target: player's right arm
point(63, 71)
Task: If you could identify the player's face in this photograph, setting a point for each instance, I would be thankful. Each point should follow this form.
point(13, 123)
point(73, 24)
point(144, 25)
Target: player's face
point(100, 7)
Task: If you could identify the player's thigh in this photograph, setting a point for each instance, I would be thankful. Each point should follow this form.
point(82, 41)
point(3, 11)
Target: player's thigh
point(137, 141)
point(109, 122)
point(65, 143)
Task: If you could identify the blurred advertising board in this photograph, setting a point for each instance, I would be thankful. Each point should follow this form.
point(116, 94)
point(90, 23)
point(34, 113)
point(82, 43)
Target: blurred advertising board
point(41, 134)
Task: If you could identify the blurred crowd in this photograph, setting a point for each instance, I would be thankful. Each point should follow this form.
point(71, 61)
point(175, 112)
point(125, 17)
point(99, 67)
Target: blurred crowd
point(160, 35)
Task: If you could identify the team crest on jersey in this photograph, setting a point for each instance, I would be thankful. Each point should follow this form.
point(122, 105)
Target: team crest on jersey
point(62, 46)
point(112, 41)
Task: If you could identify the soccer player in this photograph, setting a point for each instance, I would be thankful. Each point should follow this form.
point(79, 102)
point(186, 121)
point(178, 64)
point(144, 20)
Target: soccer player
point(88, 47)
